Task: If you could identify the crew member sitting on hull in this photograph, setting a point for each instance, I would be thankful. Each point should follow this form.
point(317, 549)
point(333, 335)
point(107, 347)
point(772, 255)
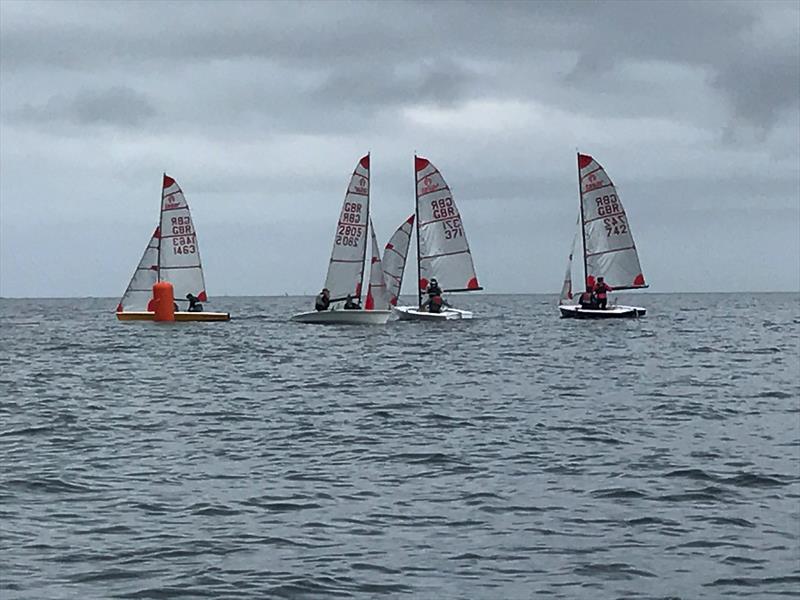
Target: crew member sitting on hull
point(587, 299)
point(194, 303)
point(323, 300)
point(435, 302)
point(601, 290)
point(350, 304)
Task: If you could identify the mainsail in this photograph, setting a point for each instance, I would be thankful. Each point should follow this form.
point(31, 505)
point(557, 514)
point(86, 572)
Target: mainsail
point(377, 296)
point(394, 259)
point(179, 254)
point(140, 289)
point(442, 248)
point(609, 251)
point(346, 268)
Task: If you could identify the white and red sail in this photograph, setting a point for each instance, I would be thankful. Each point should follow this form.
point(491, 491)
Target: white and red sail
point(566, 288)
point(377, 295)
point(609, 251)
point(346, 267)
point(394, 259)
point(443, 251)
point(179, 253)
point(172, 254)
point(139, 292)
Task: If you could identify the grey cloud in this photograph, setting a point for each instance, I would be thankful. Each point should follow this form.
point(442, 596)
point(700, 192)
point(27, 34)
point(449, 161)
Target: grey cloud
point(260, 110)
point(759, 86)
point(116, 106)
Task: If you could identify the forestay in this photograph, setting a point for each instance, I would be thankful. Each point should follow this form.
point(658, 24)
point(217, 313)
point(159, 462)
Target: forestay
point(377, 296)
point(346, 268)
point(443, 249)
point(608, 243)
point(179, 254)
point(140, 290)
point(394, 259)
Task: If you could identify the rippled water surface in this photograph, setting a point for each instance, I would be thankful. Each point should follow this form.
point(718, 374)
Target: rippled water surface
point(515, 456)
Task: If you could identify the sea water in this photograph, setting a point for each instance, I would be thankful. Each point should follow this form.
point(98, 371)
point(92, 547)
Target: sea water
point(514, 456)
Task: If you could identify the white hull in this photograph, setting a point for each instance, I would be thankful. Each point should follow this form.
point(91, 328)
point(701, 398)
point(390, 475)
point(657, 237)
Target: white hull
point(573, 311)
point(413, 313)
point(343, 317)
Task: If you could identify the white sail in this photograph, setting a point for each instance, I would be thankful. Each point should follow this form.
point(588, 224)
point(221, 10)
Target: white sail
point(443, 251)
point(346, 268)
point(179, 254)
point(140, 290)
point(377, 295)
point(608, 244)
point(566, 289)
point(394, 259)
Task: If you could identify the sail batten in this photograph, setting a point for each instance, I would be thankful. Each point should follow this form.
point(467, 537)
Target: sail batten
point(609, 249)
point(346, 266)
point(443, 251)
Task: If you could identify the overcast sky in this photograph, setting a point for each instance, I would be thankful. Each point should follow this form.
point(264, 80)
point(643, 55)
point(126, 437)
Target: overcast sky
point(260, 111)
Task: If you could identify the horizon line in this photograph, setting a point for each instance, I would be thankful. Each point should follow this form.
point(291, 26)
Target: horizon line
point(303, 295)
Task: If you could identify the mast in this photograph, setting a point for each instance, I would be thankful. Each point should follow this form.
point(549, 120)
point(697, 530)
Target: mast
point(160, 219)
point(583, 226)
point(366, 228)
point(416, 221)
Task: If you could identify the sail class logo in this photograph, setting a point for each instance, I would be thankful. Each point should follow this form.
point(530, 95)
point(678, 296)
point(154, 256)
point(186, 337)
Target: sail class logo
point(592, 183)
point(428, 186)
point(361, 188)
point(173, 201)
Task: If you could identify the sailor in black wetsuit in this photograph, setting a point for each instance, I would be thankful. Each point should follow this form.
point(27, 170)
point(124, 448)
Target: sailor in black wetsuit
point(350, 304)
point(435, 301)
point(323, 300)
point(194, 303)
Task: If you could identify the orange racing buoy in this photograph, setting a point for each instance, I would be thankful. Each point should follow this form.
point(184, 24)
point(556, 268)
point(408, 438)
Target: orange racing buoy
point(164, 297)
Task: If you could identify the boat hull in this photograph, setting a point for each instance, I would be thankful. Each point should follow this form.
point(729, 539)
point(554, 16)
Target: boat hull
point(413, 313)
point(572, 311)
point(145, 315)
point(343, 317)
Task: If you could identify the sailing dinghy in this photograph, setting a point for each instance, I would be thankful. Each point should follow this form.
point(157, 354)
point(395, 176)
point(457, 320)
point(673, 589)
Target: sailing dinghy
point(173, 255)
point(442, 249)
point(346, 267)
point(608, 248)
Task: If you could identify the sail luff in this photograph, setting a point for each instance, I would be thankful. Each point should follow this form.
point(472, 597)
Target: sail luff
point(582, 217)
point(416, 219)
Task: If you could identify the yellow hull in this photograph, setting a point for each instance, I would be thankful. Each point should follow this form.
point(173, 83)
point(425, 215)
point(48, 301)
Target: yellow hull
point(144, 315)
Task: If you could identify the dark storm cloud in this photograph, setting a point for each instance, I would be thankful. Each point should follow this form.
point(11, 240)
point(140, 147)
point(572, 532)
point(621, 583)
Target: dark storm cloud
point(119, 106)
point(400, 53)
